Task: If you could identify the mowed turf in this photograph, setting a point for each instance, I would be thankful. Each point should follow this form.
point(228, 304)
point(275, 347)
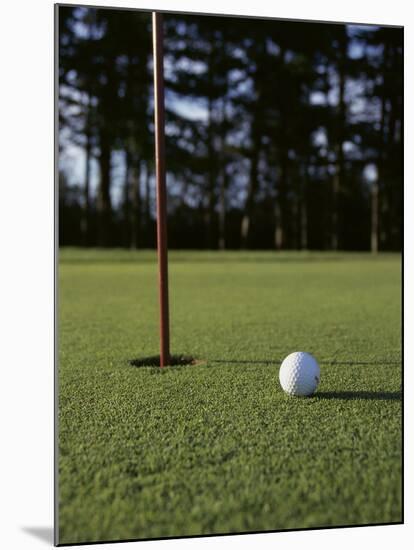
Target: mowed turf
point(217, 447)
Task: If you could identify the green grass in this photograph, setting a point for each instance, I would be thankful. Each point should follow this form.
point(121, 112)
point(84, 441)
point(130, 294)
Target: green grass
point(218, 447)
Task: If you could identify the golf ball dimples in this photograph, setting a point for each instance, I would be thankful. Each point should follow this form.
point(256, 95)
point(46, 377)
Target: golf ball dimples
point(299, 374)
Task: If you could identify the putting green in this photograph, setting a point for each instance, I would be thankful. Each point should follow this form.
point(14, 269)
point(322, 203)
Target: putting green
point(217, 447)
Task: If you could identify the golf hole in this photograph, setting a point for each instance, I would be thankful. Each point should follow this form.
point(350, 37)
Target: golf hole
point(176, 361)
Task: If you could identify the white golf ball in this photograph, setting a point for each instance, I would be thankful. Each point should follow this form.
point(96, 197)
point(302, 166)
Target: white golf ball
point(299, 374)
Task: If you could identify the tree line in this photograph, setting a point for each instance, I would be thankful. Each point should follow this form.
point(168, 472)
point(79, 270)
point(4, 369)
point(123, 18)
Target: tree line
point(279, 134)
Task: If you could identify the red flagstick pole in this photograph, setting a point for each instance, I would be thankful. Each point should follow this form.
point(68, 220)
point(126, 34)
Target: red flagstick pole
point(157, 35)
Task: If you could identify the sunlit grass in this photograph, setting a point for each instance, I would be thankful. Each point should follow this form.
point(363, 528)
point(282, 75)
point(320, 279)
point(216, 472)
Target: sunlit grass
point(216, 447)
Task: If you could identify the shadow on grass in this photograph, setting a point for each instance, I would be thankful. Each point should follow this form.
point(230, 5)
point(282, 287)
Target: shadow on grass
point(154, 361)
point(44, 534)
point(202, 257)
point(370, 395)
point(279, 361)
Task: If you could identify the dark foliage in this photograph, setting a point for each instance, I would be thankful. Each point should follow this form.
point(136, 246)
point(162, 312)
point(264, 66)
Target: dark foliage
point(284, 135)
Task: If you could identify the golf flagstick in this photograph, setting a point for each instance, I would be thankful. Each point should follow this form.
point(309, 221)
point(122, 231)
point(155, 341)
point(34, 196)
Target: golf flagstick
point(157, 36)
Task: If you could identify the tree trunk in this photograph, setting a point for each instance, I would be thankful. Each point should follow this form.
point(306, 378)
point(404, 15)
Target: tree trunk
point(278, 237)
point(382, 185)
point(295, 214)
point(85, 229)
point(304, 208)
point(337, 180)
point(256, 140)
point(223, 180)
point(135, 203)
point(334, 216)
point(251, 192)
point(281, 214)
point(147, 204)
point(209, 214)
point(280, 200)
point(222, 210)
point(104, 198)
point(127, 199)
point(85, 221)
point(393, 216)
point(374, 218)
